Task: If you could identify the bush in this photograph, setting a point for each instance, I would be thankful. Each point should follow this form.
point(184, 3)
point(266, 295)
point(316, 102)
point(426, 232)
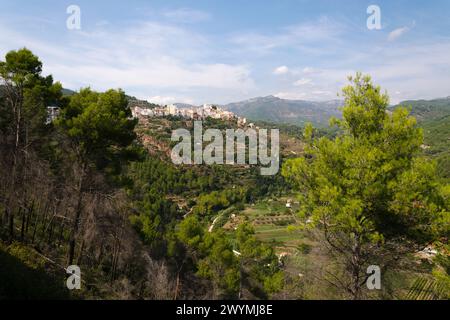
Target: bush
point(304, 248)
point(282, 222)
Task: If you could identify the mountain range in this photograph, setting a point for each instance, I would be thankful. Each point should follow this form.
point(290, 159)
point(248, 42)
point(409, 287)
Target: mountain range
point(278, 110)
point(425, 110)
point(432, 115)
point(298, 112)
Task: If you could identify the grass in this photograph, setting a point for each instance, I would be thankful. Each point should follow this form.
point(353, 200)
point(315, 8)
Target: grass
point(24, 275)
point(270, 218)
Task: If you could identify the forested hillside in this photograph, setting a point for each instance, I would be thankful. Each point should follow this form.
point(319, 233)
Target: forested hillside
point(96, 188)
point(434, 117)
point(277, 110)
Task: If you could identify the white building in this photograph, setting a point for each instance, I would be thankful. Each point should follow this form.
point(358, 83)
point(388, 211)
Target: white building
point(195, 113)
point(142, 112)
point(242, 121)
point(52, 114)
point(172, 109)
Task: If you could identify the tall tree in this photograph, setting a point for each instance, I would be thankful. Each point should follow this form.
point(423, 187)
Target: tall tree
point(25, 95)
point(259, 265)
point(100, 130)
point(369, 190)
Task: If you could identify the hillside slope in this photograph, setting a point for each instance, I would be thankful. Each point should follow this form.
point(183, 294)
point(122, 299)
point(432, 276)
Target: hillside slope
point(434, 117)
point(279, 110)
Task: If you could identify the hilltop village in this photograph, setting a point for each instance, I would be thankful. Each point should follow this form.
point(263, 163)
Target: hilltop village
point(140, 110)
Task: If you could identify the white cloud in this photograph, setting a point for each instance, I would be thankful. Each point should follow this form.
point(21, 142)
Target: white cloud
point(322, 93)
point(315, 95)
point(281, 70)
point(164, 100)
point(187, 15)
point(407, 71)
point(417, 72)
point(397, 33)
point(291, 95)
point(143, 58)
point(302, 82)
point(173, 63)
point(308, 70)
point(303, 35)
point(102, 23)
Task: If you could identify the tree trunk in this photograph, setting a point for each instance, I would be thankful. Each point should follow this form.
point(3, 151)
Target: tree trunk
point(50, 232)
point(11, 228)
point(177, 287)
point(22, 227)
point(5, 217)
point(36, 222)
point(61, 232)
point(44, 222)
point(29, 217)
point(356, 270)
point(76, 220)
point(80, 254)
point(17, 107)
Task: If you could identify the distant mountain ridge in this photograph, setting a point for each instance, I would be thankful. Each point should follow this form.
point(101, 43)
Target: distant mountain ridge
point(67, 92)
point(278, 110)
point(183, 105)
point(434, 117)
point(425, 110)
point(298, 112)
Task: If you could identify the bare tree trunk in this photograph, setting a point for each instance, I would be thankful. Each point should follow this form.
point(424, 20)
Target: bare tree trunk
point(36, 222)
point(11, 228)
point(61, 232)
point(22, 228)
point(356, 270)
point(115, 258)
point(5, 216)
point(24, 181)
point(44, 221)
point(177, 286)
point(29, 216)
point(80, 254)
point(50, 232)
point(17, 108)
point(76, 220)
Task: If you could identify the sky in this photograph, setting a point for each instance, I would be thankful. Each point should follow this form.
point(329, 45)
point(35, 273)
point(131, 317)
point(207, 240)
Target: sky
point(221, 51)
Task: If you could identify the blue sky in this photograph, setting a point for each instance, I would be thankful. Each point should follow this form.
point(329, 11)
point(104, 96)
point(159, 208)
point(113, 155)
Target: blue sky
point(224, 51)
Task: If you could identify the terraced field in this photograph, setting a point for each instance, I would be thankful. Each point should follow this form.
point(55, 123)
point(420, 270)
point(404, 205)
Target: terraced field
point(271, 219)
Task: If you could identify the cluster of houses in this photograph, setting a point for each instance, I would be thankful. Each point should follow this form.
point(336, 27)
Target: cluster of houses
point(195, 113)
point(141, 109)
point(52, 114)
